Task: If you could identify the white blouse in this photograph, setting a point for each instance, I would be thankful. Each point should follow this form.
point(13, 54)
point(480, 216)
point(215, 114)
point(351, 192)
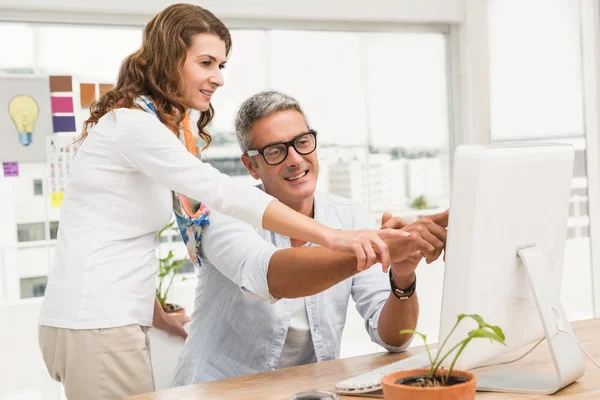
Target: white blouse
point(118, 198)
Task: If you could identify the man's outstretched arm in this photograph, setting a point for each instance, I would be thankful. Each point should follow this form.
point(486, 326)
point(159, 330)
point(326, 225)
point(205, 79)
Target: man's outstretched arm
point(398, 314)
point(253, 263)
point(304, 271)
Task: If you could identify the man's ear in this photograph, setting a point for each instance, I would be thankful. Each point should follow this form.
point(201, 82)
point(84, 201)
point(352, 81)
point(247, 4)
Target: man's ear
point(250, 166)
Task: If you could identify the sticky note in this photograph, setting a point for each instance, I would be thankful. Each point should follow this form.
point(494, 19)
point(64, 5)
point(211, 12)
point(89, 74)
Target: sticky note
point(61, 104)
point(56, 198)
point(11, 168)
point(105, 87)
point(87, 94)
point(63, 123)
point(61, 83)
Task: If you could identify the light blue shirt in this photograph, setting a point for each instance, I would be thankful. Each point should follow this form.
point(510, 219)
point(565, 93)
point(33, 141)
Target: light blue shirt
point(238, 328)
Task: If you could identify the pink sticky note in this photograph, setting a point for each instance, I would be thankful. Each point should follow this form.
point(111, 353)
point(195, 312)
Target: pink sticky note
point(11, 168)
point(62, 104)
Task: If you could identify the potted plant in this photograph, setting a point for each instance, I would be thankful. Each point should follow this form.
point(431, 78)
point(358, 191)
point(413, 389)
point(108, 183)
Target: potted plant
point(167, 270)
point(435, 382)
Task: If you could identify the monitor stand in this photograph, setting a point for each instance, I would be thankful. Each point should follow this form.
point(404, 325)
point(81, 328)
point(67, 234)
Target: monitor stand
point(566, 355)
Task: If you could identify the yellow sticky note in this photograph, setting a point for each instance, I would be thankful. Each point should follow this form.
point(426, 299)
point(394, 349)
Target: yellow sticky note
point(56, 198)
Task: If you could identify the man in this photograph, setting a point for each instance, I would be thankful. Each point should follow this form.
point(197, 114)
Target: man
point(264, 301)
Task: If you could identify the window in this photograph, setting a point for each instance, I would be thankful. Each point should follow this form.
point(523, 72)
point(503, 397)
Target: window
point(536, 74)
point(246, 73)
point(58, 42)
point(33, 287)
point(232, 166)
point(407, 94)
point(379, 103)
point(322, 70)
point(536, 88)
point(187, 267)
point(17, 48)
point(35, 231)
point(53, 229)
point(37, 187)
point(30, 232)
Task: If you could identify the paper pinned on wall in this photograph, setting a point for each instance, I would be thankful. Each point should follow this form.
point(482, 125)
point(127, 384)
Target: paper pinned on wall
point(11, 168)
point(61, 104)
point(105, 87)
point(87, 94)
point(60, 152)
point(56, 198)
point(63, 123)
point(62, 83)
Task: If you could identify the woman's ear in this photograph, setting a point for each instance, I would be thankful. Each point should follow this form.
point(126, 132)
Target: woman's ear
point(251, 166)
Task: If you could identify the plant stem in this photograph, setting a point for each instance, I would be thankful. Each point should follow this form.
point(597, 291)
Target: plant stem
point(173, 273)
point(466, 341)
point(439, 351)
point(436, 366)
point(159, 293)
point(429, 355)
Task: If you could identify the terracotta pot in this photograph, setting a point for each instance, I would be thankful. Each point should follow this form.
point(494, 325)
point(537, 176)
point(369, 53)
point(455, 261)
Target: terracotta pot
point(394, 391)
point(174, 309)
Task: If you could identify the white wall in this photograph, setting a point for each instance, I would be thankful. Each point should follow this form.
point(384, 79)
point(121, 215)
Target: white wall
point(8, 240)
point(240, 11)
point(30, 208)
point(34, 259)
point(591, 64)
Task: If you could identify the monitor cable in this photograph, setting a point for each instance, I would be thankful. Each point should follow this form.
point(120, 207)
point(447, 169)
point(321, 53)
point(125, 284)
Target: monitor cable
point(536, 345)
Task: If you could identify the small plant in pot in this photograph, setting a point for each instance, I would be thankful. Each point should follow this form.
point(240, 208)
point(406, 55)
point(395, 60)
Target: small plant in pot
point(167, 270)
point(435, 382)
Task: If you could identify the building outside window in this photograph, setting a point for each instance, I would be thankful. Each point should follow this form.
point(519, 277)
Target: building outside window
point(30, 232)
point(33, 287)
point(38, 188)
point(53, 229)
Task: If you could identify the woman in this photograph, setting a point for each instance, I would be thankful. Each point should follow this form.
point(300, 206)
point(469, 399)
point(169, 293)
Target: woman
point(100, 300)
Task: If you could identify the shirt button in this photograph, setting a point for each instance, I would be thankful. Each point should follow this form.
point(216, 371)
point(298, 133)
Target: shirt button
point(271, 364)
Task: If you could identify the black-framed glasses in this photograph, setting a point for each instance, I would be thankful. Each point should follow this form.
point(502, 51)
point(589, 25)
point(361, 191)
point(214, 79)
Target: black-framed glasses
point(276, 153)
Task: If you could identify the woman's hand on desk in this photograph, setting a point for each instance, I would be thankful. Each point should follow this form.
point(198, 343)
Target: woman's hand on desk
point(172, 324)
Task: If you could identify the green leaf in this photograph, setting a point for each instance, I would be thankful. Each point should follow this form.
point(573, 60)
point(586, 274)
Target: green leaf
point(412, 332)
point(497, 331)
point(474, 317)
point(484, 330)
point(484, 333)
point(168, 226)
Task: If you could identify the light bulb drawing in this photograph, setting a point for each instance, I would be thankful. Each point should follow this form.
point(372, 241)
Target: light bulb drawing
point(24, 111)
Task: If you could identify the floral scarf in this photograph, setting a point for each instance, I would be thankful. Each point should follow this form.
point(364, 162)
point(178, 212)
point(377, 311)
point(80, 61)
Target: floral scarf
point(191, 215)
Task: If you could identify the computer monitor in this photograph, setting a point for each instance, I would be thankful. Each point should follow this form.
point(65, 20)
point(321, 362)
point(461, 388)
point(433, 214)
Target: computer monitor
point(504, 258)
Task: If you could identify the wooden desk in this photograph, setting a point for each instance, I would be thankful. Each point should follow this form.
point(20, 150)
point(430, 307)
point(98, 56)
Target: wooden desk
point(281, 384)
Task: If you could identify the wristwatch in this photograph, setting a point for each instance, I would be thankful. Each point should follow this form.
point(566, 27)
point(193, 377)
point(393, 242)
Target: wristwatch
point(403, 294)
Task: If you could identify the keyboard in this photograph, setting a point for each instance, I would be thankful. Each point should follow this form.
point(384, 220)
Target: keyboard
point(371, 381)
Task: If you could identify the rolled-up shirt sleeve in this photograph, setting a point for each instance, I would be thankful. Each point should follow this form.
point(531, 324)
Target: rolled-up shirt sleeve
point(151, 148)
point(370, 290)
point(236, 250)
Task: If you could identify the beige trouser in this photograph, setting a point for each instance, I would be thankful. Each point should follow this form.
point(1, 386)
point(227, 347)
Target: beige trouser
point(98, 364)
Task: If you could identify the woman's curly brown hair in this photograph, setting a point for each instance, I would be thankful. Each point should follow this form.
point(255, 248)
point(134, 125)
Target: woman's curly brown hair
point(155, 69)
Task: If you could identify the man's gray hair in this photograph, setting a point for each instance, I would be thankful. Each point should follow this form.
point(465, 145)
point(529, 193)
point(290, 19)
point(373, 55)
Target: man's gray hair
point(259, 106)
